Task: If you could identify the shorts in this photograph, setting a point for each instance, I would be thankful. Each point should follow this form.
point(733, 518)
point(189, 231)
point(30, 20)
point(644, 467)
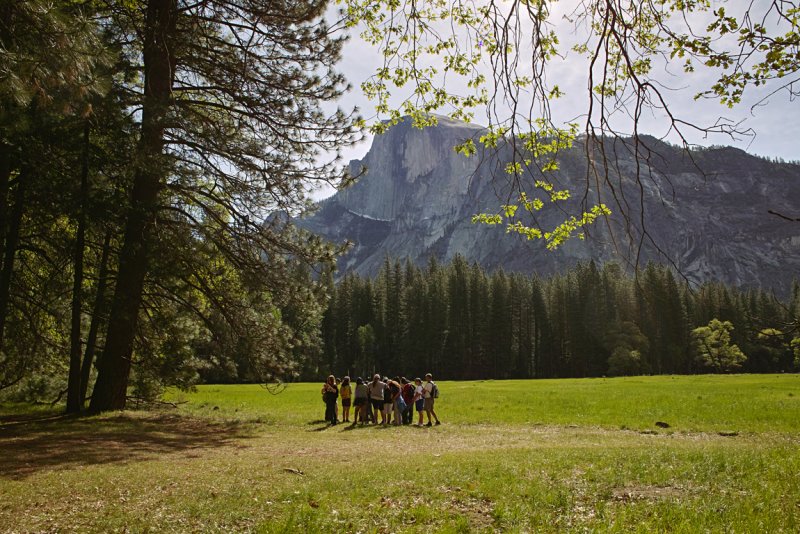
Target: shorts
point(345, 403)
point(377, 404)
point(360, 401)
point(429, 403)
point(420, 404)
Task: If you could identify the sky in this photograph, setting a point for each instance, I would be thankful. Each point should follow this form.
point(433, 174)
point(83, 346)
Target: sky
point(775, 123)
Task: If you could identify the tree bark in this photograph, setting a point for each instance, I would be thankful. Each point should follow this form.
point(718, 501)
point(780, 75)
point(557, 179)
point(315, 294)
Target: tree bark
point(6, 165)
point(110, 391)
point(10, 250)
point(5, 176)
point(98, 312)
point(74, 399)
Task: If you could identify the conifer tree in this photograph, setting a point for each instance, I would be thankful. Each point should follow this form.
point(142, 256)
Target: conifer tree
point(230, 130)
point(458, 342)
point(42, 94)
point(500, 333)
point(438, 329)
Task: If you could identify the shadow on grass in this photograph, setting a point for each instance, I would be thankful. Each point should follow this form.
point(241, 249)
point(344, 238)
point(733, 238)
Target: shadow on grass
point(338, 427)
point(317, 422)
point(358, 426)
point(52, 442)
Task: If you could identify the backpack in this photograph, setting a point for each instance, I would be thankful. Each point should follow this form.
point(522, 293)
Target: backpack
point(434, 391)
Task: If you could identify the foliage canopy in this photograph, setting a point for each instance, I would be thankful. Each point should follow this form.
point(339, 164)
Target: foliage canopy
point(146, 164)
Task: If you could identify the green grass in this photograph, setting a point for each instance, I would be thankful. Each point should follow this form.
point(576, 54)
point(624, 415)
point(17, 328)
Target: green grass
point(743, 403)
point(525, 456)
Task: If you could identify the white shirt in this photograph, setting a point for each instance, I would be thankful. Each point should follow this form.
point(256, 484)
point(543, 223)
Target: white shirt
point(427, 389)
point(376, 390)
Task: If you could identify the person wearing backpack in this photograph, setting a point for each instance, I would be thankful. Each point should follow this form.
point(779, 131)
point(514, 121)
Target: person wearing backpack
point(430, 393)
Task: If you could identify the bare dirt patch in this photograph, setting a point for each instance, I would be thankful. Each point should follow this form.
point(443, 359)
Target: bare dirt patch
point(477, 511)
point(647, 493)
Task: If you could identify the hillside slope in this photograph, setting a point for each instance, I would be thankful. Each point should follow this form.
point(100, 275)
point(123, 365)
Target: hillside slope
point(707, 213)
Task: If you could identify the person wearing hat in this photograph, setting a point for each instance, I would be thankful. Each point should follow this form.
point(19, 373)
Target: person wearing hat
point(429, 396)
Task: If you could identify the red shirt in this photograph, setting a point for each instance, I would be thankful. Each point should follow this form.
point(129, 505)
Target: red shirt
point(408, 393)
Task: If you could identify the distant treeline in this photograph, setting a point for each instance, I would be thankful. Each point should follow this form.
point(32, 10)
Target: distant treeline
point(460, 322)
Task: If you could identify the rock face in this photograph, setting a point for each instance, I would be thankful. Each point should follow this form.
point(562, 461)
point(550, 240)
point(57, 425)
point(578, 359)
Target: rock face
point(707, 213)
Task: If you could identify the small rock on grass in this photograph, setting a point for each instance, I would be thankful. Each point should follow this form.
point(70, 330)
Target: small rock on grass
point(293, 471)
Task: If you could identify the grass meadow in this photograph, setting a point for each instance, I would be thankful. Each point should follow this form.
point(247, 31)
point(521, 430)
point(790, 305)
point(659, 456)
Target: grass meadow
point(510, 456)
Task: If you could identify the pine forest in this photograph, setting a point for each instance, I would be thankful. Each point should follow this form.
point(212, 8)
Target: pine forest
point(460, 322)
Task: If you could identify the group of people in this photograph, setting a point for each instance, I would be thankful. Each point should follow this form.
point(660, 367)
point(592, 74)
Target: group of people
point(393, 401)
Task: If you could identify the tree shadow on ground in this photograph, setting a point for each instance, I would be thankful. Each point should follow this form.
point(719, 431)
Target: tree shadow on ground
point(33, 445)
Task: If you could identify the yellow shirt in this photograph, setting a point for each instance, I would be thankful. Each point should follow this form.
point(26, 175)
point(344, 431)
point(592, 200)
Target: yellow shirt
point(344, 391)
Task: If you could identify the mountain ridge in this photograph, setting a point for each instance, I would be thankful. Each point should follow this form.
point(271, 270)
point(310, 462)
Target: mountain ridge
point(705, 212)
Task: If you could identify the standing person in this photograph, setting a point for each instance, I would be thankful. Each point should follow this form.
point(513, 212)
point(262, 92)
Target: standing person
point(346, 392)
point(336, 406)
point(430, 392)
point(398, 404)
point(360, 402)
point(419, 398)
point(388, 401)
point(370, 411)
point(329, 394)
point(376, 388)
point(408, 399)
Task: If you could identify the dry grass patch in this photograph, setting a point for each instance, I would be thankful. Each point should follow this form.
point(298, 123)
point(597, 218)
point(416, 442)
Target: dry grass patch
point(648, 493)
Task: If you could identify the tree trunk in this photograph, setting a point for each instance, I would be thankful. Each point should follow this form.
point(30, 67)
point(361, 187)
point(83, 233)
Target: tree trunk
point(10, 250)
point(98, 312)
point(6, 165)
point(74, 399)
point(5, 176)
point(110, 390)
